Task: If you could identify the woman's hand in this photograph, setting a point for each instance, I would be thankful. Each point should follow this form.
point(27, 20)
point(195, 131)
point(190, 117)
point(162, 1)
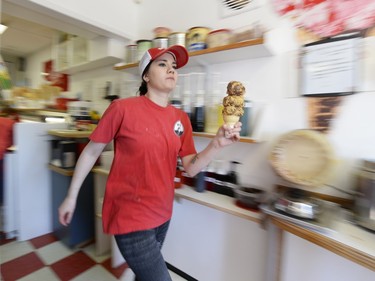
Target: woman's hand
point(227, 135)
point(66, 210)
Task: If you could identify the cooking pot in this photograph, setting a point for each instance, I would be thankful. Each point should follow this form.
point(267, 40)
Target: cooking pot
point(365, 196)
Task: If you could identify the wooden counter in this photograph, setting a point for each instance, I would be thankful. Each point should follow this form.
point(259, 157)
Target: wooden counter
point(336, 243)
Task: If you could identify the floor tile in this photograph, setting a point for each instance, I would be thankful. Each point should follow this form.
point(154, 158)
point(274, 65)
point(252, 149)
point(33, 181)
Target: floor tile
point(54, 252)
point(72, 266)
point(117, 271)
point(91, 252)
point(128, 275)
point(95, 273)
point(44, 274)
point(14, 250)
point(43, 240)
point(21, 267)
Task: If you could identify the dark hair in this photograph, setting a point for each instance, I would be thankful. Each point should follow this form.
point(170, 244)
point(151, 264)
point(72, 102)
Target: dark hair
point(143, 87)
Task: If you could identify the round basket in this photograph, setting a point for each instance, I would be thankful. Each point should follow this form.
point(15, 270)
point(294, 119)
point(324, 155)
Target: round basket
point(304, 157)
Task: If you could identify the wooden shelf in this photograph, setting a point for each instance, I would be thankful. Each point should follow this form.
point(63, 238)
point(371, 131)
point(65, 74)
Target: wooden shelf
point(249, 49)
point(208, 135)
point(106, 61)
point(70, 133)
point(61, 171)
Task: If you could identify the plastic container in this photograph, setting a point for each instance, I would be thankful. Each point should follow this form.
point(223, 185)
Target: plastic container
point(196, 38)
point(142, 47)
point(131, 54)
point(219, 37)
point(161, 31)
point(160, 42)
point(177, 38)
point(245, 119)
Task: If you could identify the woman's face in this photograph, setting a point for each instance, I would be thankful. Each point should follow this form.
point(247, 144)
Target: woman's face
point(162, 74)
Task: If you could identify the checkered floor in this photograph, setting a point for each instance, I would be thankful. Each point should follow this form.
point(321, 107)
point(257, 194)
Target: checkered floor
point(47, 259)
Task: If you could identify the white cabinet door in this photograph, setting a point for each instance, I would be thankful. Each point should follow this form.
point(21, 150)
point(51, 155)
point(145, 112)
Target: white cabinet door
point(211, 245)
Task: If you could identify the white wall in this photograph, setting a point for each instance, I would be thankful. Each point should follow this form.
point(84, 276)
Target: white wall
point(119, 17)
point(35, 66)
point(182, 15)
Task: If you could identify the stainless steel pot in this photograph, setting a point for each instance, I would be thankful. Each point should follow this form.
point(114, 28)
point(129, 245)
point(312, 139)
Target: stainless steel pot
point(365, 196)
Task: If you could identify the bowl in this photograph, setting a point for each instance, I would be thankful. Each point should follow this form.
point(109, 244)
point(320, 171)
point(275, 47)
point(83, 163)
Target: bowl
point(249, 196)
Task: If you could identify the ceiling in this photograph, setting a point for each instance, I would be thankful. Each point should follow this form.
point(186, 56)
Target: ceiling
point(23, 37)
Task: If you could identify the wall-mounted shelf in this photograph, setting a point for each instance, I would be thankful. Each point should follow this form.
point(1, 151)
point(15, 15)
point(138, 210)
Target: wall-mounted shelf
point(101, 62)
point(207, 135)
point(249, 49)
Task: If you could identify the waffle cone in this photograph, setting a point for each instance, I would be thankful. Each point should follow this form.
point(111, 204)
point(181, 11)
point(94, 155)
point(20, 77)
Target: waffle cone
point(231, 120)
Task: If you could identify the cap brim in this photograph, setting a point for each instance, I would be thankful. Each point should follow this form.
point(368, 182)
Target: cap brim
point(179, 52)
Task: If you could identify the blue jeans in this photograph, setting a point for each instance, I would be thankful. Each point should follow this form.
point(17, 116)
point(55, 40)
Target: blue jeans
point(142, 252)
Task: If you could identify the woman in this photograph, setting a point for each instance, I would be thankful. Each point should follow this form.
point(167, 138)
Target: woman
point(149, 135)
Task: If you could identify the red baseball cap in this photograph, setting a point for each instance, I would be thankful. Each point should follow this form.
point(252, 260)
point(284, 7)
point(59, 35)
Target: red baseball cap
point(179, 52)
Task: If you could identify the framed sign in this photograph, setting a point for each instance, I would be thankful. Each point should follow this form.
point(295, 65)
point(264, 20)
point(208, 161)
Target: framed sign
point(331, 67)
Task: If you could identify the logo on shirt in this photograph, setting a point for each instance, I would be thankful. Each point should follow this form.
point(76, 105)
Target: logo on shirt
point(178, 128)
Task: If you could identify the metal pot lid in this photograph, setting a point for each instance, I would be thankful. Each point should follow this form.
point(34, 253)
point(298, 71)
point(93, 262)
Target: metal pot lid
point(303, 157)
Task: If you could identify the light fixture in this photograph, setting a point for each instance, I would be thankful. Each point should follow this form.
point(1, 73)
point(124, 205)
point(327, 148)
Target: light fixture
point(2, 28)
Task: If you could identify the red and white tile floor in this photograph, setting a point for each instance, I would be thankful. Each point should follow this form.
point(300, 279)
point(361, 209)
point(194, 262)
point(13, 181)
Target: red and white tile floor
point(47, 259)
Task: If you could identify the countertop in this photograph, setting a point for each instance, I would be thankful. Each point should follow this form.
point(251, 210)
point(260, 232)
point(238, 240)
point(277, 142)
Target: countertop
point(344, 238)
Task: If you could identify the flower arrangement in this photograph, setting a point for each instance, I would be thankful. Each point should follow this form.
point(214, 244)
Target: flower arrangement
point(327, 18)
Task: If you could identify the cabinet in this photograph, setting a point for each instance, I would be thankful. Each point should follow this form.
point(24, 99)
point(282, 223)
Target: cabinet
point(82, 227)
point(71, 52)
point(78, 54)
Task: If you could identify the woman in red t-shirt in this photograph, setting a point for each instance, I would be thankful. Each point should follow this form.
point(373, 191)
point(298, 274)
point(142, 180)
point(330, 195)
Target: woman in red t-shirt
point(149, 135)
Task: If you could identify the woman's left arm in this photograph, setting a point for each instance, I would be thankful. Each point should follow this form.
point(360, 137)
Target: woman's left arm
point(225, 136)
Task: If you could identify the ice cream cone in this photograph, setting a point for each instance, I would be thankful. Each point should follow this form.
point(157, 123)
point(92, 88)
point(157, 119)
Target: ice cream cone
point(231, 120)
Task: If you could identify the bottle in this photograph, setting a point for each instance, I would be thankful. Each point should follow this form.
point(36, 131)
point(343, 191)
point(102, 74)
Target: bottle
point(198, 116)
point(178, 176)
point(200, 184)
point(245, 119)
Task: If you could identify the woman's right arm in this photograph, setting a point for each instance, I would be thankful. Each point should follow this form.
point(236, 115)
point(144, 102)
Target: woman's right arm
point(84, 165)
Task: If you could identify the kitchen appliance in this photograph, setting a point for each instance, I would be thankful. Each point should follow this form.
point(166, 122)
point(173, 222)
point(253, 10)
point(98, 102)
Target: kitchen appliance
point(296, 202)
point(365, 196)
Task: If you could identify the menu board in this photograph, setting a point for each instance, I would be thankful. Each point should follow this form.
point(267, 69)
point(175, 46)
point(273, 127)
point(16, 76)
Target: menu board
point(331, 67)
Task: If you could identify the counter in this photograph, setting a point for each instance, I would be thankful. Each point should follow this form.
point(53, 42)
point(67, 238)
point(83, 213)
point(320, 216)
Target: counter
point(344, 239)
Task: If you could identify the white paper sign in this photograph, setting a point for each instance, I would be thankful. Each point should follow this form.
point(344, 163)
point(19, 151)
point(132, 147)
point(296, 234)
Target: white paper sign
point(331, 68)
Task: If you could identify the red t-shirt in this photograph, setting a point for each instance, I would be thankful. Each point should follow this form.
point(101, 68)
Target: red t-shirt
point(147, 140)
point(6, 134)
